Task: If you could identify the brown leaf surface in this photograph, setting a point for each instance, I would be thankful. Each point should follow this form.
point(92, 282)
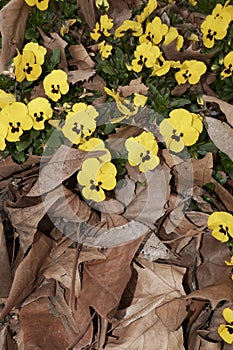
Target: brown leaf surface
point(28, 273)
point(88, 11)
point(8, 167)
point(105, 292)
point(144, 334)
point(148, 204)
point(80, 75)
point(81, 58)
point(171, 53)
point(64, 163)
point(135, 86)
point(220, 133)
point(225, 107)
point(5, 271)
point(13, 20)
point(51, 43)
point(136, 322)
point(215, 293)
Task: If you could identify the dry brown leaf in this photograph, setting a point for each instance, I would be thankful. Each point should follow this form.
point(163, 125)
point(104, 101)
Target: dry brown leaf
point(27, 212)
point(81, 58)
point(88, 10)
point(6, 339)
point(171, 53)
point(64, 163)
point(8, 167)
point(108, 279)
point(151, 285)
point(95, 83)
point(225, 107)
point(220, 133)
point(215, 293)
point(80, 75)
point(214, 254)
point(119, 10)
point(44, 327)
point(225, 196)
point(13, 20)
point(59, 265)
point(153, 249)
point(202, 169)
point(5, 272)
point(148, 204)
point(144, 334)
point(51, 44)
point(135, 86)
point(28, 273)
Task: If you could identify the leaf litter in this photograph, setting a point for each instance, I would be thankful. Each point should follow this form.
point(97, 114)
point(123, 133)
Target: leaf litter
point(123, 271)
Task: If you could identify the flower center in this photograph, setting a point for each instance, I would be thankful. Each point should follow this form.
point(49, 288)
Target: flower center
point(39, 116)
point(27, 69)
point(145, 156)
point(55, 89)
point(175, 136)
point(95, 186)
point(78, 128)
point(229, 69)
point(150, 37)
point(224, 230)
point(14, 127)
point(211, 34)
point(230, 329)
point(187, 75)
point(142, 60)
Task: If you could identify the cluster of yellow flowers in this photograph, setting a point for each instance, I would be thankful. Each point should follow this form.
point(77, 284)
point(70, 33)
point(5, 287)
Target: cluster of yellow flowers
point(16, 117)
point(221, 224)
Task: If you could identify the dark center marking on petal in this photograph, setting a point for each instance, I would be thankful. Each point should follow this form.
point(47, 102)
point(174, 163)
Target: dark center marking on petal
point(55, 89)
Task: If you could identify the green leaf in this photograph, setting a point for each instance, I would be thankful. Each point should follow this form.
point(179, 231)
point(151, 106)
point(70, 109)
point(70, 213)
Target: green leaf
point(180, 102)
point(55, 57)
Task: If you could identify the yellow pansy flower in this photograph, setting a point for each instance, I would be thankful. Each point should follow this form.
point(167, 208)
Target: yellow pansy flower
point(142, 151)
point(40, 110)
point(26, 67)
point(150, 7)
point(226, 330)
point(40, 4)
point(221, 224)
point(102, 4)
point(95, 144)
point(80, 123)
point(102, 27)
point(105, 50)
point(3, 134)
point(38, 50)
point(171, 35)
point(145, 54)
point(182, 128)
point(55, 84)
point(213, 28)
point(190, 71)
point(66, 26)
point(134, 27)
point(15, 116)
point(6, 98)
point(228, 63)
point(154, 32)
point(223, 12)
point(95, 177)
point(139, 100)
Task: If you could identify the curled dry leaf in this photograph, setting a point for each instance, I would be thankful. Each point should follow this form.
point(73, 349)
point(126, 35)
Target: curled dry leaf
point(135, 86)
point(5, 272)
point(171, 53)
point(148, 204)
point(108, 279)
point(80, 75)
point(225, 107)
point(13, 20)
point(28, 273)
point(81, 58)
point(220, 133)
point(64, 163)
point(88, 11)
point(51, 43)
